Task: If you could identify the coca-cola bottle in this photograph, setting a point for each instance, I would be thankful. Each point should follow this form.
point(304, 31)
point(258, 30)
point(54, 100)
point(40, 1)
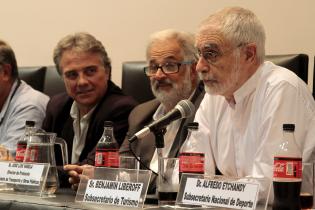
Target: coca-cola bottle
point(287, 172)
point(22, 143)
point(107, 149)
point(191, 160)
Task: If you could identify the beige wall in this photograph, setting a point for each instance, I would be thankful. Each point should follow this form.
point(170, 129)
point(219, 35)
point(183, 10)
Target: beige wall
point(33, 27)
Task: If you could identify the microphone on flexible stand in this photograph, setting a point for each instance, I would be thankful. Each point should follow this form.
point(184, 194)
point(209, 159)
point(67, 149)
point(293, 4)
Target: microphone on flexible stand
point(183, 109)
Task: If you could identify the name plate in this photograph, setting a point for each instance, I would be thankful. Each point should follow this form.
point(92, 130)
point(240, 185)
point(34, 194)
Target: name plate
point(21, 173)
point(113, 192)
point(220, 193)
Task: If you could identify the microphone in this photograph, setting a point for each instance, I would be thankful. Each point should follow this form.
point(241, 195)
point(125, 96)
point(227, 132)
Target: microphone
point(183, 109)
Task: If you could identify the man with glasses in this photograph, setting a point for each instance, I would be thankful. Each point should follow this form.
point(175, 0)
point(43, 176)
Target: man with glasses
point(248, 100)
point(19, 102)
point(171, 58)
point(78, 116)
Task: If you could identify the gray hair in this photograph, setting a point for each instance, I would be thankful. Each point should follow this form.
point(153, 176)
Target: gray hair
point(239, 26)
point(7, 56)
point(80, 42)
point(184, 39)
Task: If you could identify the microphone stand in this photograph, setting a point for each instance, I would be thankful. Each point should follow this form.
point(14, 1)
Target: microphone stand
point(159, 143)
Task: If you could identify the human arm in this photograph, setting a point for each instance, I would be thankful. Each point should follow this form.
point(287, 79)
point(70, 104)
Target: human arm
point(5, 154)
point(75, 174)
point(281, 102)
point(14, 122)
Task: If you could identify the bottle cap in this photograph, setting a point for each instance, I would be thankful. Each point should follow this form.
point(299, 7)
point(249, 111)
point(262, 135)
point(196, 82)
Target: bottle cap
point(288, 127)
point(193, 126)
point(29, 123)
point(108, 124)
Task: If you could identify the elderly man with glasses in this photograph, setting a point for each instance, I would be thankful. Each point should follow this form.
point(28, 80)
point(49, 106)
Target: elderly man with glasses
point(171, 58)
point(248, 99)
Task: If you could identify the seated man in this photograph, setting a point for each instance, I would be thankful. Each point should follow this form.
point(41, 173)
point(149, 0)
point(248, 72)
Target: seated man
point(171, 58)
point(19, 102)
point(78, 116)
point(248, 100)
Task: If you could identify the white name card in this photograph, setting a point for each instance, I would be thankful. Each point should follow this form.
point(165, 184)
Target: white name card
point(21, 173)
point(228, 194)
point(113, 192)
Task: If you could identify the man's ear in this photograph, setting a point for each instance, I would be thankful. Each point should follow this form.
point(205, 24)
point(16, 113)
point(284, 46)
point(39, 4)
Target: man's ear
point(6, 71)
point(250, 52)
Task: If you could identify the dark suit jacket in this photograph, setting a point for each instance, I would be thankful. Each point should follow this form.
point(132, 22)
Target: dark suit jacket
point(114, 106)
point(140, 116)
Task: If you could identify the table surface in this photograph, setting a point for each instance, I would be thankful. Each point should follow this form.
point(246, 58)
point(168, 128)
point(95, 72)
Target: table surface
point(64, 199)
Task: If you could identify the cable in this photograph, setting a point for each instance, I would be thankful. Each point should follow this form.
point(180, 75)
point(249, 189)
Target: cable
point(141, 163)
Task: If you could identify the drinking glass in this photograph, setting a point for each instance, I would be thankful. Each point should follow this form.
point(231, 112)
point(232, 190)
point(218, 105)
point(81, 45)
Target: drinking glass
point(129, 162)
point(307, 187)
point(168, 181)
point(125, 164)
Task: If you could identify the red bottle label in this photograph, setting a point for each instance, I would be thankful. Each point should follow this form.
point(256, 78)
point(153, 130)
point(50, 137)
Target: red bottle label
point(20, 152)
point(191, 162)
point(105, 158)
point(286, 167)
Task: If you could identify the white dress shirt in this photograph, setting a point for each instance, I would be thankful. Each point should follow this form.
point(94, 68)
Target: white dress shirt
point(80, 128)
point(241, 140)
point(25, 104)
point(169, 136)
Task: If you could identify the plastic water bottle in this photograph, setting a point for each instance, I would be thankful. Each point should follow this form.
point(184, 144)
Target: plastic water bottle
point(191, 160)
point(287, 172)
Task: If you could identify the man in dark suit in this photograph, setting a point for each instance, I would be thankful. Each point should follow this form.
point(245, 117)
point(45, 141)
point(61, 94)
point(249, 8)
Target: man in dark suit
point(78, 116)
point(172, 58)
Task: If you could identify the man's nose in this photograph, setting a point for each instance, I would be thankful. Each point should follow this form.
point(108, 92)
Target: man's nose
point(202, 65)
point(159, 74)
point(82, 79)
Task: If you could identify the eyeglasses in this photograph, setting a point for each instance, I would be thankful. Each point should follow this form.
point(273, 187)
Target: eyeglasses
point(166, 68)
point(212, 54)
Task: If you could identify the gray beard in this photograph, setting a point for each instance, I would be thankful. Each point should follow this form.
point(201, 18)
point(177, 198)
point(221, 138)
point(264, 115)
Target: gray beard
point(178, 92)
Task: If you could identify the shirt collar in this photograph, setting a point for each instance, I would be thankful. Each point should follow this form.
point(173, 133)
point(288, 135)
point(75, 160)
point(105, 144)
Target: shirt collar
point(75, 113)
point(248, 87)
point(160, 112)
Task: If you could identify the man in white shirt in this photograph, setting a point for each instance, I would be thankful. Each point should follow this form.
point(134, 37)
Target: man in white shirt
point(19, 102)
point(248, 100)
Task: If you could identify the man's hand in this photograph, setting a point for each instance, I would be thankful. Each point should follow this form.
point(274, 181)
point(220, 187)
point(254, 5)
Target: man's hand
point(75, 173)
point(5, 154)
